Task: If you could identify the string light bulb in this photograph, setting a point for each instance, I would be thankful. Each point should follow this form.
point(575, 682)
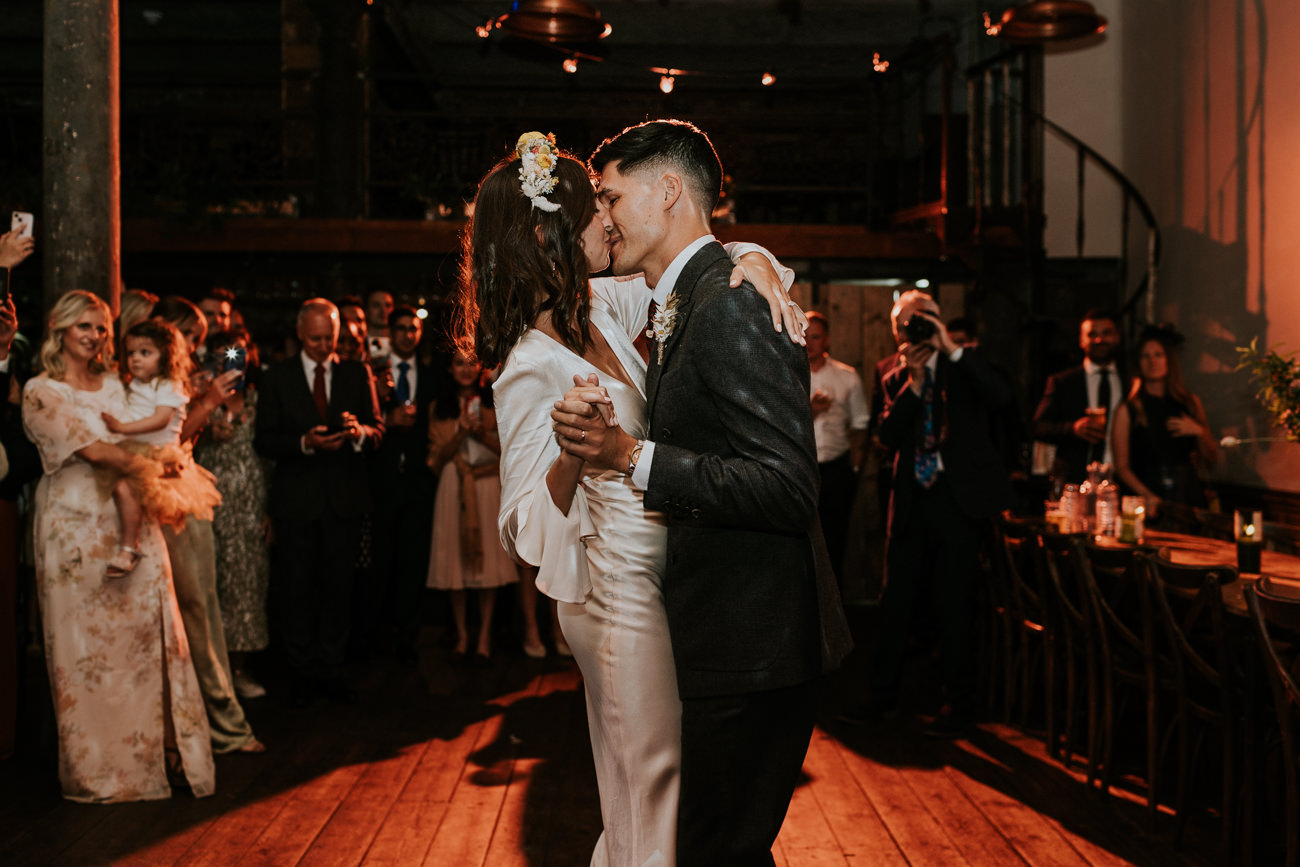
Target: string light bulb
point(570, 65)
point(483, 31)
point(989, 27)
point(666, 83)
point(877, 64)
point(768, 79)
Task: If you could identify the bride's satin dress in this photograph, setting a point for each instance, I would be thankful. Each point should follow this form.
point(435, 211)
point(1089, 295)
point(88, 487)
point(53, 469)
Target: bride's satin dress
point(604, 563)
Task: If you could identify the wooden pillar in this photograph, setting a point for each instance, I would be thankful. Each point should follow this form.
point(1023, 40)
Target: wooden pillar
point(81, 237)
point(338, 107)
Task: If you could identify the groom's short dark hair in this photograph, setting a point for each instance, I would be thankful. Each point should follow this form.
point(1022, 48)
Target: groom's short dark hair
point(668, 142)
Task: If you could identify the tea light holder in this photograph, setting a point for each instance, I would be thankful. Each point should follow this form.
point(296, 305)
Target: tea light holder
point(1132, 519)
point(1248, 528)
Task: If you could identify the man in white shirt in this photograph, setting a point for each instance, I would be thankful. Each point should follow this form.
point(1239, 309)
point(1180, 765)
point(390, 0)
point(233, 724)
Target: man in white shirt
point(839, 408)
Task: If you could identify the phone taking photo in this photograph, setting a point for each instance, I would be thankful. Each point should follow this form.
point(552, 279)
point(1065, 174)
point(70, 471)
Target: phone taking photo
point(22, 223)
point(234, 358)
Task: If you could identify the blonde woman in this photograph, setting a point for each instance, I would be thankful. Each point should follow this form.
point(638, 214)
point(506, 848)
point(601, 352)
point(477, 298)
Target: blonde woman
point(126, 700)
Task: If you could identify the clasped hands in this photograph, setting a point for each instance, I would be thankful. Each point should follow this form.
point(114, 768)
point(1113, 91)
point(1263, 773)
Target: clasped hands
point(587, 428)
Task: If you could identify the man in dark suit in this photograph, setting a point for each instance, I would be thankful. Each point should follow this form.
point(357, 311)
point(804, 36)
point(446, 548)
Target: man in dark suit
point(403, 488)
point(317, 418)
point(753, 610)
point(1078, 404)
point(947, 481)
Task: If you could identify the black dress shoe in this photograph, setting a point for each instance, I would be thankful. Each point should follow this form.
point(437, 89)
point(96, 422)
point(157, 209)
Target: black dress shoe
point(339, 692)
point(300, 696)
point(869, 711)
point(950, 723)
point(406, 655)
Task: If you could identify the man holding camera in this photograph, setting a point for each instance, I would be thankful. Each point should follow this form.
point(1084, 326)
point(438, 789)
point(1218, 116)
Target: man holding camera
point(947, 481)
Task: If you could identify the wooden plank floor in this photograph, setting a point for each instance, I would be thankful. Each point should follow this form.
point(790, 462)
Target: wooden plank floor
point(445, 765)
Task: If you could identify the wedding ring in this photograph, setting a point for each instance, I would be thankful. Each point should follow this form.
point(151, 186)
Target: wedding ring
point(583, 438)
point(791, 303)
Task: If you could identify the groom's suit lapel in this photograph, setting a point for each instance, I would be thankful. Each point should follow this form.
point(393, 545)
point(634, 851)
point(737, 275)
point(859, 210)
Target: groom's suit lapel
point(684, 290)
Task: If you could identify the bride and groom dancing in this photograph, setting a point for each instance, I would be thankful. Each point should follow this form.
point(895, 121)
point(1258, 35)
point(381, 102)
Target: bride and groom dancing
point(668, 499)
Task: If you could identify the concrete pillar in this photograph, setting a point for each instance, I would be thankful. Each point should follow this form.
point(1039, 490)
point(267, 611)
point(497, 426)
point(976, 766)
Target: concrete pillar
point(81, 236)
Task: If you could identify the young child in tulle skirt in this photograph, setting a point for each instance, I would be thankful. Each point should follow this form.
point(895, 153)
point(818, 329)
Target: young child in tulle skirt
point(171, 486)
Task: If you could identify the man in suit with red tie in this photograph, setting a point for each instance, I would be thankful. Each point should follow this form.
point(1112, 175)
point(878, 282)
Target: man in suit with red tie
point(317, 418)
point(947, 481)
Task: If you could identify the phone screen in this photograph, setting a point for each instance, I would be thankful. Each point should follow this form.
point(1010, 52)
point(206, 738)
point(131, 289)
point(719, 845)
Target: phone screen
point(234, 358)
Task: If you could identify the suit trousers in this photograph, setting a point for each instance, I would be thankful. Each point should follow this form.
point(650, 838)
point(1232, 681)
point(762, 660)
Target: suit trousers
point(194, 574)
point(401, 527)
point(932, 569)
point(741, 760)
point(835, 502)
point(317, 558)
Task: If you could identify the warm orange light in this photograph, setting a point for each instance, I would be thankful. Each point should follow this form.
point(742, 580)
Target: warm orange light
point(989, 27)
point(570, 64)
point(484, 30)
point(768, 79)
point(666, 83)
point(877, 64)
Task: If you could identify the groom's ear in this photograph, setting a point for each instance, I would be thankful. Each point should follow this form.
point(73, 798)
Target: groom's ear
point(673, 189)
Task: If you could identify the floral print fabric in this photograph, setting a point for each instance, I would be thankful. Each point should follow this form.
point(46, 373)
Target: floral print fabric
point(108, 642)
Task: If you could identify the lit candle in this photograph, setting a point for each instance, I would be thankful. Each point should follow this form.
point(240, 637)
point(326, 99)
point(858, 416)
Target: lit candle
point(1250, 543)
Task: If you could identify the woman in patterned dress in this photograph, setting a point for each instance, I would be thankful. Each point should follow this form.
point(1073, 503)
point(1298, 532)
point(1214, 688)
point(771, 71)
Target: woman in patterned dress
point(126, 699)
point(239, 524)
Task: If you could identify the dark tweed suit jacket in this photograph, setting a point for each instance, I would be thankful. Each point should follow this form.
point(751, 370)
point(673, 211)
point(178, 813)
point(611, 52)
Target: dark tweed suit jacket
point(308, 486)
point(968, 390)
point(752, 602)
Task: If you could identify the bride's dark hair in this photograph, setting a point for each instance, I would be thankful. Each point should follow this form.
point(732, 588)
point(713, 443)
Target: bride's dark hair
point(518, 260)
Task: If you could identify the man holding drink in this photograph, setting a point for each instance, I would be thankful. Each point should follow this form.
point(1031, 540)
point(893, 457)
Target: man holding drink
point(1078, 404)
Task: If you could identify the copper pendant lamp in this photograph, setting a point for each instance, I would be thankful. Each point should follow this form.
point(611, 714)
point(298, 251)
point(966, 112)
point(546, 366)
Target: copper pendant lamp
point(555, 21)
point(1041, 21)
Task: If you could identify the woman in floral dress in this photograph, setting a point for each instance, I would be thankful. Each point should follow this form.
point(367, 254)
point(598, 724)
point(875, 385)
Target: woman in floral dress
point(239, 524)
point(126, 699)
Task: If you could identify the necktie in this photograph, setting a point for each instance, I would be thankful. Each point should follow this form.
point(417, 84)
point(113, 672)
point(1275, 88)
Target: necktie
point(1098, 450)
point(643, 340)
point(927, 456)
point(403, 382)
point(318, 392)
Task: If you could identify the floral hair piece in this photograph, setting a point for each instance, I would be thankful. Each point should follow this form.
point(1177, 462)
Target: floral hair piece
point(537, 156)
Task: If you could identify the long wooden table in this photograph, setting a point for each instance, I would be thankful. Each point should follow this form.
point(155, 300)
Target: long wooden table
point(1283, 570)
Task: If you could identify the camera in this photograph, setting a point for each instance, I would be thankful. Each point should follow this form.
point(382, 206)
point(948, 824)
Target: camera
point(918, 329)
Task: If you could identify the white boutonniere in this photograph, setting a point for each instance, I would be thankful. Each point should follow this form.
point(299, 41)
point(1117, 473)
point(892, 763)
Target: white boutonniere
point(661, 326)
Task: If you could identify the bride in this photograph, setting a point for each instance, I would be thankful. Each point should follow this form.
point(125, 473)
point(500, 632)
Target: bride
point(526, 302)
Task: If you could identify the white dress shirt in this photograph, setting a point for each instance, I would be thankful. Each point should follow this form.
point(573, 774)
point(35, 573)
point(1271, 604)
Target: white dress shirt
point(847, 412)
point(1092, 379)
point(411, 375)
point(664, 288)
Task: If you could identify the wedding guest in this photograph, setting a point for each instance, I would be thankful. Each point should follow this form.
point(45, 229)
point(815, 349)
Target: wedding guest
point(218, 306)
point(132, 709)
point(1078, 404)
point(839, 408)
point(403, 488)
point(465, 451)
point(318, 419)
point(379, 304)
point(19, 464)
point(193, 556)
point(240, 526)
point(1161, 438)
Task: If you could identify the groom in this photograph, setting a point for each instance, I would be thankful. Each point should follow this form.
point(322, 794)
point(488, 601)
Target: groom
point(753, 612)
